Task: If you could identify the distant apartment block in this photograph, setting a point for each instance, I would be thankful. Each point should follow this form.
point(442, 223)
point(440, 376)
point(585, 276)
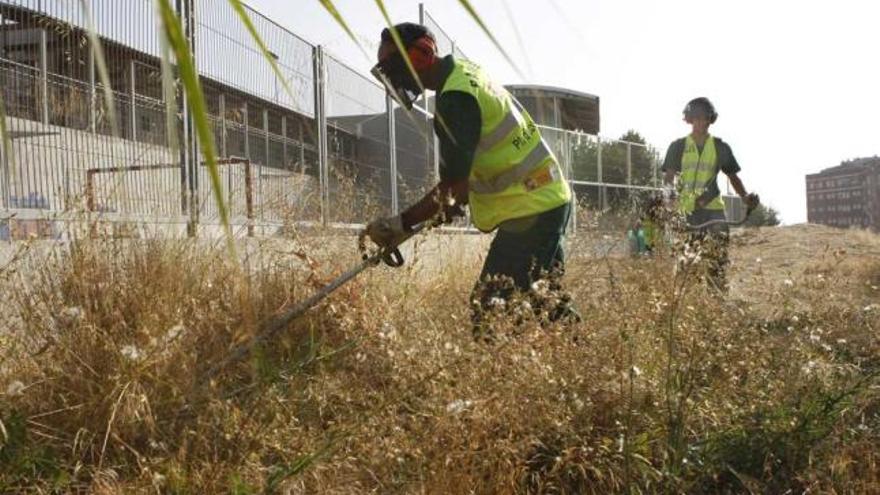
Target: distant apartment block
point(847, 195)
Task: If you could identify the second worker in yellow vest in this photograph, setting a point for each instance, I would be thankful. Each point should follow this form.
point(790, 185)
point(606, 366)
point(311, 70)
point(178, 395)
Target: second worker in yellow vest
point(697, 159)
point(493, 159)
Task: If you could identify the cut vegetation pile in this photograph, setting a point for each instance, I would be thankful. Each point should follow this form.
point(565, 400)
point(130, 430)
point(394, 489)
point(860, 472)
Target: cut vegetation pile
point(382, 389)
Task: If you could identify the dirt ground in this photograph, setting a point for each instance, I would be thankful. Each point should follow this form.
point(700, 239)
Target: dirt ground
point(772, 259)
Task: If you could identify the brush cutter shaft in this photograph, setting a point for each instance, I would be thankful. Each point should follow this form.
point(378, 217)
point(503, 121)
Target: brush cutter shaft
point(732, 224)
point(281, 321)
point(717, 222)
point(390, 256)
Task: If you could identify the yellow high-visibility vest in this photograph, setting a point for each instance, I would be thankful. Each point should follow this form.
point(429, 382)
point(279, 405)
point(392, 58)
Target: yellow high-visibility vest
point(697, 171)
point(514, 174)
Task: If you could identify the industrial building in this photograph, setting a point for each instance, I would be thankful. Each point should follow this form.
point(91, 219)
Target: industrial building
point(847, 195)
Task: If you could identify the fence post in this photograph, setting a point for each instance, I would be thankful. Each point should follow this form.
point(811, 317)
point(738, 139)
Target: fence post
point(221, 101)
point(568, 172)
point(321, 121)
point(284, 141)
point(392, 154)
point(432, 142)
point(44, 76)
point(599, 177)
point(249, 197)
point(247, 134)
point(5, 191)
point(654, 162)
point(93, 117)
point(189, 144)
point(132, 92)
point(435, 156)
point(629, 164)
point(266, 164)
point(302, 145)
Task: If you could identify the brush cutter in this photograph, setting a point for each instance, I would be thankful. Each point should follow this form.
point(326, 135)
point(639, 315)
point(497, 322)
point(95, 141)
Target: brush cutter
point(390, 256)
point(754, 204)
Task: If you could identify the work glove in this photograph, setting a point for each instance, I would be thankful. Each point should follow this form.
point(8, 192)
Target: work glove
point(752, 201)
point(387, 232)
point(450, 212)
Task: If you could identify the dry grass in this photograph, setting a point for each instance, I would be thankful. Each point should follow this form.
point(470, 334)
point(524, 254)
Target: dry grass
point(381, 389)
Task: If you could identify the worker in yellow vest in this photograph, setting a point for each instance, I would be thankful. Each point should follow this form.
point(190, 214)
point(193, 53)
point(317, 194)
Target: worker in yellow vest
point(696, 160)
point(494, 160)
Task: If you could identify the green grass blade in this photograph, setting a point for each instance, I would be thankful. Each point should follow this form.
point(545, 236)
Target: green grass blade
point(169, 89)
point(100, 61)
point(195, 97)
point(333, 11)
point(399, 43)
point(476, 17)
point(239, 9)
point(395, 35)
point(101, 64)
point(519, 38)
point(566, 19)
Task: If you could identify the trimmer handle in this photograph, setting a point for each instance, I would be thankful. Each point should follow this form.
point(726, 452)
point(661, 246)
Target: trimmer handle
point(753, 201)
point(391, 256)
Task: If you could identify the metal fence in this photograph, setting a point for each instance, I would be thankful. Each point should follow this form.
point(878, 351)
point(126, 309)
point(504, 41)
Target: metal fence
point(335, 149)
point(445, 43)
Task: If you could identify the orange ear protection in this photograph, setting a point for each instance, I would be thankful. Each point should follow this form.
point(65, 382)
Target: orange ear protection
point(422, 52)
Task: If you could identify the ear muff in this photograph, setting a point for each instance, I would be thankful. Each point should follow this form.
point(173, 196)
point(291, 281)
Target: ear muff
point(422, 53)
point(713, 116)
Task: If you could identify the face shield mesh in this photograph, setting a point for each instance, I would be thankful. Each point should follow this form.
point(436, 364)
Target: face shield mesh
point(394, 73)
point(397, 80)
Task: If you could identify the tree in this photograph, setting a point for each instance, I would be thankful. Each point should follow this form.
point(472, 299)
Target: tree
point(763, 216)
point(628, 160)
point(585, 160)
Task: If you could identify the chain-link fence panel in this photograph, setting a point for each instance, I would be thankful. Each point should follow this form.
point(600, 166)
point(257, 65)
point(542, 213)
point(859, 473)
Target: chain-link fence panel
point(584, 150)
point(445, 43)
point(59, 122)
point(68, 153)
point(238, 187)
point(267, 122)
point(222, 38)
point(359, 172)
point(414, 142)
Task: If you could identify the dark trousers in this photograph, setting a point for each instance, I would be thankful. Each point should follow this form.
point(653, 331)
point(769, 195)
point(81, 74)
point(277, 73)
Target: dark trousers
point(713, 244)
point(525, 257)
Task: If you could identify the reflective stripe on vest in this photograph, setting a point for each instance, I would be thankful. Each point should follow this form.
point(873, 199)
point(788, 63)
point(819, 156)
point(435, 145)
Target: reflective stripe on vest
point(512, 120)
point(698, 169)
point(514, 174)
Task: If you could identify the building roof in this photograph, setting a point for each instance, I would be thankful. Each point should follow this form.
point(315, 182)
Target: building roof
point(576, 110)
point(550, 91)
point(851, 166)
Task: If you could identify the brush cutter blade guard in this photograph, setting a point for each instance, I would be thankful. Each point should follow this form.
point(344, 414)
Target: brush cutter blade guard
point(393, 258)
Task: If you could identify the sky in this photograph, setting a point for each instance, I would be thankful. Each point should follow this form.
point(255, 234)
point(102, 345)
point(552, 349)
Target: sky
point(796, 83)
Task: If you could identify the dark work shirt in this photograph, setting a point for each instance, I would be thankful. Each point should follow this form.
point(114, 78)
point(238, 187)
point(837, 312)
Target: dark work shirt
point(726, 163)
point(458, 125)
